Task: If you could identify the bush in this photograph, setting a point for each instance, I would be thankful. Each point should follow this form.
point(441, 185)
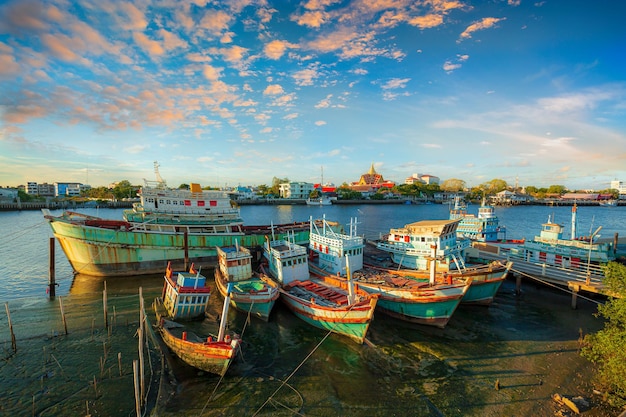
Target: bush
point(606, 348)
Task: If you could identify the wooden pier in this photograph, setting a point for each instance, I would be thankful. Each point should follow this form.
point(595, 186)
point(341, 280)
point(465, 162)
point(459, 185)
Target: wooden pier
point(587, 278)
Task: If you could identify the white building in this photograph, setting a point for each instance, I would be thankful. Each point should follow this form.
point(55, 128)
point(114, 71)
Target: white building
point(296, 190)
point(32, 188)
point(620, 187)
point(422, 179)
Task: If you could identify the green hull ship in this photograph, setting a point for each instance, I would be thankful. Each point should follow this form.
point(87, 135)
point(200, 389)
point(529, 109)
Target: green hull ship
point(100, 247)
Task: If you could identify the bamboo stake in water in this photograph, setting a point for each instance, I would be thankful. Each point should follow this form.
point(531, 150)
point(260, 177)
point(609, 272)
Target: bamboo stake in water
point(136, 380)
point(104, 304)
point(141, 342)
point(119, 362)
point(13, 343)
point(63, 314)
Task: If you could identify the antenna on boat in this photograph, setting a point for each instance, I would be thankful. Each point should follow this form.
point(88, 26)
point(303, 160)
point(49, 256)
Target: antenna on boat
point(157, 174)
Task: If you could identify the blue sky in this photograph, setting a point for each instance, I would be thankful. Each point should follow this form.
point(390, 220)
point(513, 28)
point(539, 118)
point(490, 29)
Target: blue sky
point(238, 92)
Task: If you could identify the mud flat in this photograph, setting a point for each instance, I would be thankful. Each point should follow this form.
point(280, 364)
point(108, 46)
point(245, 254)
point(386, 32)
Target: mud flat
point(527, 345)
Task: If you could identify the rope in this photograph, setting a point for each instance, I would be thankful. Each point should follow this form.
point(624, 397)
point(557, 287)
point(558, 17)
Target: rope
point(297, 368)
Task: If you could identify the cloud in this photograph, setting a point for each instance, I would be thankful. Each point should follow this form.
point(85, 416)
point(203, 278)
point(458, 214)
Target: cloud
point(485, 23)
point(395, 83)
point(426, 22)
point(273, 90)
point(305, 76)
point(215, 21)
point(276, 49)
point(313, 19)
point(211, 73)
point(152, 47)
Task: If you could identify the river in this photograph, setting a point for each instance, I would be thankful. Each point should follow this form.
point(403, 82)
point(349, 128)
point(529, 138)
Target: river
point(412, 370)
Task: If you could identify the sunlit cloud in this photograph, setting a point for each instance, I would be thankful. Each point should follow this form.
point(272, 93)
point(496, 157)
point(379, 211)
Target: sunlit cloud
point(485, 23)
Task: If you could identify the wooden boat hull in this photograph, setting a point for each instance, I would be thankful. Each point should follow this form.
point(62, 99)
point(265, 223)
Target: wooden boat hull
point(348, 320)
point(255, 296)
point(117, 251)
point(207, 355)
point(212, 357)
point(486, 280)
point(428, 306)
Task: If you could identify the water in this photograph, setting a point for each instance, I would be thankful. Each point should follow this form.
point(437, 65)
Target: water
point(413, 370)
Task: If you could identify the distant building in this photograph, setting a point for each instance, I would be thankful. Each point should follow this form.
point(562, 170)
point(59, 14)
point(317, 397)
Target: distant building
point(67, 189)
point(296, 190)
point(32, 188)
point(370, 182)
point(507, 197)
point(8, 194)
point(581, 196)
point(422, 179)
point(244, 193)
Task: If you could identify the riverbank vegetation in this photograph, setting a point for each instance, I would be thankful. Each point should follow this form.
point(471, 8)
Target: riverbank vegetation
point(605, 348)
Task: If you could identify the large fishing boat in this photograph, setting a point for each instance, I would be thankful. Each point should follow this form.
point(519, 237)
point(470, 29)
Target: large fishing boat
point(552, 254)
point(433, 251)
point(400, 294)
point(327, 303)
point(251, 293)
point(167, 225)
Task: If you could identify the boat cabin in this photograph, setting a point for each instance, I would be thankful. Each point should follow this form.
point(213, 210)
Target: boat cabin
point(235, 263)
point(185, 294)
point(287, 261)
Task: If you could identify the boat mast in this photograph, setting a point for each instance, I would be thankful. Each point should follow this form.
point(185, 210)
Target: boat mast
point(220, 336)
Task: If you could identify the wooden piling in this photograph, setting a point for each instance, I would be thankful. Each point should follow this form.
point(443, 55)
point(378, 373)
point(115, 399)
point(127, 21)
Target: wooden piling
point(13, 342)
point(575, 289)
point(63, 314)
point(186, 246)
point(104, 304)
point(119, 362)
point(518, 284)
point(51, 271)
point(136, 380)
point(141, 343)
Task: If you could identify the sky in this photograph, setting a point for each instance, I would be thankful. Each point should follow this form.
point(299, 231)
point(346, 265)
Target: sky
point(228, 93)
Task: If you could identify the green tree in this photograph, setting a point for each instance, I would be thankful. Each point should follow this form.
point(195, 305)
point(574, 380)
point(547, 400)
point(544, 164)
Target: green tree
point(124, 189)
point(557, 189)
point(606, 347)
point(275, 189)
point(494, 186)
point(453, 185)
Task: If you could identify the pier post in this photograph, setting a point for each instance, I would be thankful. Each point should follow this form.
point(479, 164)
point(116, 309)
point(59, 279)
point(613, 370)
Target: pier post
point(518, 285)
point(51, 271)
point(575, 289)
point(186, 246)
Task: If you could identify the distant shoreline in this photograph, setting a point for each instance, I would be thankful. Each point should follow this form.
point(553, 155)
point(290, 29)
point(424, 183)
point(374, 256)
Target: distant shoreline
point(71, 205)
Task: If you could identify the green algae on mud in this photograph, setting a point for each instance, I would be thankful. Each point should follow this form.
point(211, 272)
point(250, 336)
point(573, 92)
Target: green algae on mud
point(529, 344)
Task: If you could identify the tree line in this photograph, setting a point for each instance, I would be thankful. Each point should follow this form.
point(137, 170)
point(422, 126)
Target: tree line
point(125, 190)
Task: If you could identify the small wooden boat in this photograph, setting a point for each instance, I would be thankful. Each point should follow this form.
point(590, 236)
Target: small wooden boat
point(323, 302)
point(185, 294)
point(213, 354)
point(252, 294)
